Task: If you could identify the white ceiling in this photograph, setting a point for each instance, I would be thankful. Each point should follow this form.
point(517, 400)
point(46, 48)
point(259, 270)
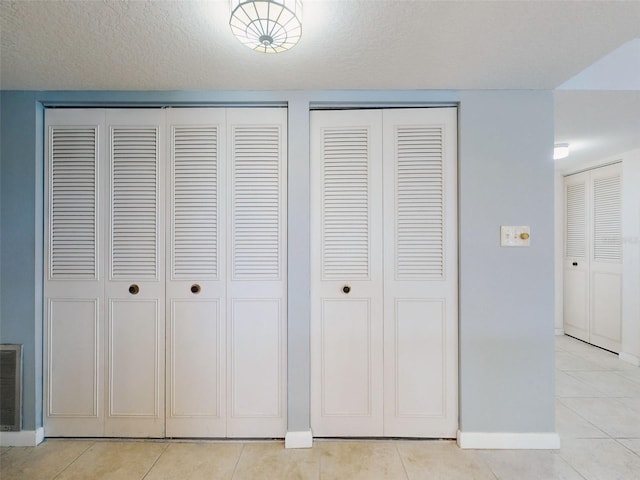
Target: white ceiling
point(346, 44)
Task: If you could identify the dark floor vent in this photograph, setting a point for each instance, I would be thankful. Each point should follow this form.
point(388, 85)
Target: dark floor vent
point(10, 388)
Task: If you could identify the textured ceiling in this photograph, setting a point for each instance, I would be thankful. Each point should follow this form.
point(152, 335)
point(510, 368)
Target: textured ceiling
point(346, 44)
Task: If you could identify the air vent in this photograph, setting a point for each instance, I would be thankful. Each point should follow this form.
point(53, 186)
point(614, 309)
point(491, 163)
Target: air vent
point(10, 388)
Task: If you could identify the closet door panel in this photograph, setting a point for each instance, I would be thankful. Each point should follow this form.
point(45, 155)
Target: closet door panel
point(576, 256)
point(135, 352)
point(74, 273)
point(420, 280)
point(256, 259)
point(196, 303)
point(606, 258)
point(346, 364)
point(135, 288)
point(346, 273)
point(256, 378)
point(606, 310)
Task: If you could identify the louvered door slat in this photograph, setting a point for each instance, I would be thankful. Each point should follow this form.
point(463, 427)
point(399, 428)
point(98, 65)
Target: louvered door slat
point(419, 202)
point(73, 203)
point(607, 219)
point(575, 221)
point(195, 202)
point(345, 203)
point(256, 179)
point(134, 180)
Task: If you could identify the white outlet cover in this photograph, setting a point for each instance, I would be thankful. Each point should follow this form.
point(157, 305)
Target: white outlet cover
point(512, 236)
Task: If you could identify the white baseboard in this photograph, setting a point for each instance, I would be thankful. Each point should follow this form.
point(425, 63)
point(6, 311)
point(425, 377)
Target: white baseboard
point(298, 439)
point(24, 438)
point(509, 441)
point(559, 331)
point(629, 358)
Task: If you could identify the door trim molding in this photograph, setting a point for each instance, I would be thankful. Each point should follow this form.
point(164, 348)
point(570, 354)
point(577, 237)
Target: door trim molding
point(302, 439)
point(629, 358)
point(509, 441)
point(24, 438)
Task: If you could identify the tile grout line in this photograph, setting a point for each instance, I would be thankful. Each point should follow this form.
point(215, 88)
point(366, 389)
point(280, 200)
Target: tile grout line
point(624, 446)
point(406, 473)
point(487, 463)
point(235, 467)
point(166, 447)
point(570, 465)
point(74, 460)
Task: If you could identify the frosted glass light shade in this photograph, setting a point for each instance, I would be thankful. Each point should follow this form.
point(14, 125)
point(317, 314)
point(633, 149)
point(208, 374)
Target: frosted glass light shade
point(560, 151)
point(268, 26)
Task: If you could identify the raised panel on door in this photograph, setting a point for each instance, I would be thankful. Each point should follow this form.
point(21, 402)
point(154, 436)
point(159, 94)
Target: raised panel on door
point(73, 274)
point(196, 292)
point(256, 272)
point(420, 273)
point(576, 256)
point(346, 273)
point(606, 258)
point(135, 287)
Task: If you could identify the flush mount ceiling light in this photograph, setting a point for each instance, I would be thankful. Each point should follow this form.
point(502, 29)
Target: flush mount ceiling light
point(268, 26)
point(560, 150)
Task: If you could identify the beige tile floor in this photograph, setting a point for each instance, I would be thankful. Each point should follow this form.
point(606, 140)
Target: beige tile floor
point(597, 417)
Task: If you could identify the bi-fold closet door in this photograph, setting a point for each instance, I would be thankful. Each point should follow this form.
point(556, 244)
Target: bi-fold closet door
point(165, 272)
point(593, 256)
point(384, 273)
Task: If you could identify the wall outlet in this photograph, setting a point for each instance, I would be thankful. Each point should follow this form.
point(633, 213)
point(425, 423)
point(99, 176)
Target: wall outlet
point(515, 236)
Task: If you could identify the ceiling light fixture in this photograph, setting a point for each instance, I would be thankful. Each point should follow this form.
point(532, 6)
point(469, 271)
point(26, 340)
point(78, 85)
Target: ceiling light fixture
point(560, 150)
point(268, 26)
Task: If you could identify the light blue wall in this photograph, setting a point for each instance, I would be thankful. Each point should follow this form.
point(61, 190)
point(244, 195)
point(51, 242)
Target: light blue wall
point(506, 295)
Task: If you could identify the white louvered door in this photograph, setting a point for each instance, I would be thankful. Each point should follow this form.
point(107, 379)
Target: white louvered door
point(606, 258)
point(384, 349)
point(196, 292)
point(421, 273)
point(593, 256)
point(183, 341)
point(74, 276)
point(135, 287)
point(256, 271)
point(576, 256)
point(346, 273)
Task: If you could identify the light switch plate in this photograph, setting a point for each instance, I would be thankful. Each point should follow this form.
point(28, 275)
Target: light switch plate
point(515, 236)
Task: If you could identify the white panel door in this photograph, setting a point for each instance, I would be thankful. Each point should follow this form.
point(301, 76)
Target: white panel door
point(384, 273)
point(346, 273)
point(256, 270)
point(606, 258)
point(420, 273)
point(74, 275)
point(196, 291)
point(593, 256)
point(135, 287)
point(576, 256)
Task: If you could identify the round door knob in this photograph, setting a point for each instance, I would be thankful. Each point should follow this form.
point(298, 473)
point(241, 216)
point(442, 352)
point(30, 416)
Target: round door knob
point(195, 288)
point(575, 264)
point(134, 289)
point(346, 289)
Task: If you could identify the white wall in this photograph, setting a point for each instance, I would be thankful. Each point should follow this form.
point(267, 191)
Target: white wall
point(631, 257)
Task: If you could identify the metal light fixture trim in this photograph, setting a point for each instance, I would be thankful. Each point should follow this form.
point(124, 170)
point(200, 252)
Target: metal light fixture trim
point(267, 26)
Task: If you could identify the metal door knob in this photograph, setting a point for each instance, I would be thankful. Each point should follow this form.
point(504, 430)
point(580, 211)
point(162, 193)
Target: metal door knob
point(134, 289)
point(575, 264)
point(346, 289)
point(195, 288)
